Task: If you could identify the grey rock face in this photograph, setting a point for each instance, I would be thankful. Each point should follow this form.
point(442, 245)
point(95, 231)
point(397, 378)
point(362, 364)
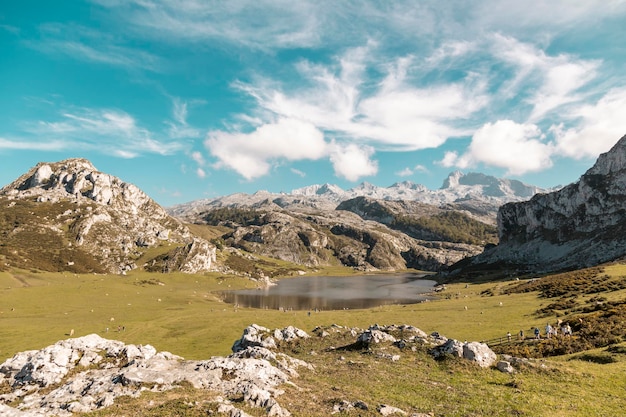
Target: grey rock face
point(581, 225)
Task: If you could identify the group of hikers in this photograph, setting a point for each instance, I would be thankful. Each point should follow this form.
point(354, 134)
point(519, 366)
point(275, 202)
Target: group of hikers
point(550, 331)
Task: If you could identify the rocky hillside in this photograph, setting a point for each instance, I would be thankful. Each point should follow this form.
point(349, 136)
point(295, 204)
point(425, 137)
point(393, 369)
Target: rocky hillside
point(583, 224)
point(69, 216)
point(370, 237)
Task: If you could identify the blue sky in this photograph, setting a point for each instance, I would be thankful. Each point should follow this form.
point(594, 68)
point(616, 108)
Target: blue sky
point(193, 99)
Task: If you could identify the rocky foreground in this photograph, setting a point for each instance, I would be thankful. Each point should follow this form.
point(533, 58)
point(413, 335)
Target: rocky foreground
point(89, 373)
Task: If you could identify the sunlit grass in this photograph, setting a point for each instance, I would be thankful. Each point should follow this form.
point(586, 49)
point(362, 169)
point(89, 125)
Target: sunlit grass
point(181, 313)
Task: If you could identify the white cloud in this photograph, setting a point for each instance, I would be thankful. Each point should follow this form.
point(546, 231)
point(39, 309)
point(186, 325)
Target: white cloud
point(395, 116)
point(352, 161)
point(251, 154)
point(510, 14)
point(298, 172)
point(334, 100)
point(600, 125)
point(200, 173)
point(25, 144)
point(277, 24)
point(197, 156)
point(179, 128)
point(91, 45)
point(516, 147)
point(106, 130)
point(406, 172)
point(555, 80)
point(262, 24)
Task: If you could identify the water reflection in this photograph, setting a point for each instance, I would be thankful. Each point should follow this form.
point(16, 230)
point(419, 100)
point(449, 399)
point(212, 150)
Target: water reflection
point(335, 293)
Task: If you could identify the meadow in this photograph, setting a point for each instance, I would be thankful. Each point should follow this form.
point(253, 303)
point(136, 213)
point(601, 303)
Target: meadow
point(181, 313)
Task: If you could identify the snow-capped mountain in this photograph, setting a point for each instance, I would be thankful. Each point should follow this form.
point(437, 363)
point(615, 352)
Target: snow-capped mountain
point(473, 189)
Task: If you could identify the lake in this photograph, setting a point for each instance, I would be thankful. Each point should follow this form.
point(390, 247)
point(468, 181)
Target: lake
point(335, 293)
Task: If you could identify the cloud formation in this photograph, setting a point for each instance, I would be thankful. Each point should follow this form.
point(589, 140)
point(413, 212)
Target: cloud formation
point(111, 131)
point(516, 147)
point(342, 81)
point(252, 154)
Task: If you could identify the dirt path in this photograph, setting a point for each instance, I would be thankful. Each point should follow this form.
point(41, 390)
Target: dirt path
point(20, 279)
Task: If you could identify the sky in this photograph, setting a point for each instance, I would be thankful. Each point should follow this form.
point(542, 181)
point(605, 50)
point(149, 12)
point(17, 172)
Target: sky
point(193, 99)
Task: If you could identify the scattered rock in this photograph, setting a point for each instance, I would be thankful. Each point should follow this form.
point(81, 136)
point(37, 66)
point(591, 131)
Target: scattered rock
point(387, 410)
point(473, 351)
point(479, 353)
point(504, 366)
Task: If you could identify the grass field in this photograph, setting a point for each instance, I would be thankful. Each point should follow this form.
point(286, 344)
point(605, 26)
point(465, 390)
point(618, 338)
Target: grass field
point(180, 313)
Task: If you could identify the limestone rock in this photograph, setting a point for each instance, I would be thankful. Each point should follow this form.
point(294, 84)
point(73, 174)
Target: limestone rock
point(41, 384)
point(505, 366)
point(387, 410)
point(375, 336)
point(450, 347)
point(473, 351)
point(479, 353)
point(255, 335)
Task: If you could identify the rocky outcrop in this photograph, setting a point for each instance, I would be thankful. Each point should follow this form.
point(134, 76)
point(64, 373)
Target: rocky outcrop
point(99, 215)
point(88, 373)
point(581, 225)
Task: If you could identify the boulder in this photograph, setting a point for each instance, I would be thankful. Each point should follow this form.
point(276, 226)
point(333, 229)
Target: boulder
point(450, 347)
point(473, 351)
point(505, 366)
point(375, 336)
point(387, 410)
point(479, 353)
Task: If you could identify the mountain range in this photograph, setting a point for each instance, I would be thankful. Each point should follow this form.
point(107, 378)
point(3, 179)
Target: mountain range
point(68, 216)
point(480, 193)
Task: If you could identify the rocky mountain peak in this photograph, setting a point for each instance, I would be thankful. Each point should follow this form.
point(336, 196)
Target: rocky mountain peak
point(612, 161)
point(95, 217)
point(478, 184)
point(77, 179)
point(452, 181)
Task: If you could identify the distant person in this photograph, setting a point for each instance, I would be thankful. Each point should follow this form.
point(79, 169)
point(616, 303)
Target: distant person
point(521, 335)
point(567, 330)
point(508, 336)
point(549, 331)
point(537, 333)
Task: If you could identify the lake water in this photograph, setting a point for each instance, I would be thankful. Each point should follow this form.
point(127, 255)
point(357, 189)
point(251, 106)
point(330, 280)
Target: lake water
point(335, 293)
